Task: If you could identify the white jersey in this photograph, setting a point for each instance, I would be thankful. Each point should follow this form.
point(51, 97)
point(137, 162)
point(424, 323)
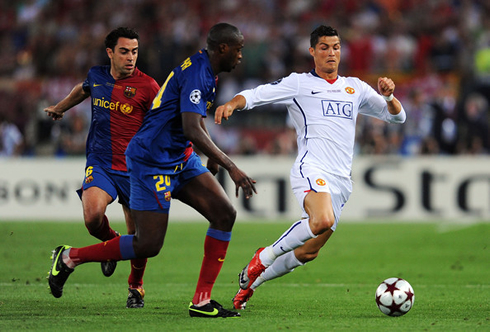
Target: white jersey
point(324, 115)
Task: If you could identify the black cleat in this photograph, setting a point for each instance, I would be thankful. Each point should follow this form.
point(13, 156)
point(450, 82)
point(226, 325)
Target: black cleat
point(211, 310)
point(59, 272)
point(135, 298)
point(109, 267)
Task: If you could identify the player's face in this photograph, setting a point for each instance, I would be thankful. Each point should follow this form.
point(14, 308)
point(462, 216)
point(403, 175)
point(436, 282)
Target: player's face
point(326, 55)
point(123, 58)
point(233, 55)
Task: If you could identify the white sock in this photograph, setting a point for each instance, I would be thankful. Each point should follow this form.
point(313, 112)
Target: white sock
point(294, 237)
point(282, 265)
point(65, 256)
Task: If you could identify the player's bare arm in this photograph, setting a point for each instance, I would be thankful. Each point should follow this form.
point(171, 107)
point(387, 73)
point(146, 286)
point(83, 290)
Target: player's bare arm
point(211, 164)
point(386, 88)
point(193, 131)
point(75, 97)
point(226, 110)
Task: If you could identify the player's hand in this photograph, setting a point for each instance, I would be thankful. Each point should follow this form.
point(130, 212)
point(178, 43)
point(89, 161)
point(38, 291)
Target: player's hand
point(223, 112)
point(212, 166)
point(386, 86)
point(243, 181)
point(53, 113)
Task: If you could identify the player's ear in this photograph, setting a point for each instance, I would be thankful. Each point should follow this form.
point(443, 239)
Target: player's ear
point(109, 52)
point(312, 51)
point(223, 48)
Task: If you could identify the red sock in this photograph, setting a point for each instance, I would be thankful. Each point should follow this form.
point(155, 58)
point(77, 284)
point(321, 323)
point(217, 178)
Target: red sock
point(100, 252)
point(214, 256)
point(104, 232)
point(138, 266)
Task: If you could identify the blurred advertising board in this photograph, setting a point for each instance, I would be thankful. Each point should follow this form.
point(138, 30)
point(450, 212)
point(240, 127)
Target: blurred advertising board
point(385, 189)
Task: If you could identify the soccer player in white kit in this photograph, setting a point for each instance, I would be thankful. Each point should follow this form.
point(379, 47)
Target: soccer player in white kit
point(323, 107)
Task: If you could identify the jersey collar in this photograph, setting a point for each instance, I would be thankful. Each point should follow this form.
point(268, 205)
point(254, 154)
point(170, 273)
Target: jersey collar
point(313, 72)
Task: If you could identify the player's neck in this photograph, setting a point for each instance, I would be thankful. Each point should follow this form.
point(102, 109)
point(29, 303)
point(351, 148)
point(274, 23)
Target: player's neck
point(329, 77)
point(215, 66)
point(119, 76)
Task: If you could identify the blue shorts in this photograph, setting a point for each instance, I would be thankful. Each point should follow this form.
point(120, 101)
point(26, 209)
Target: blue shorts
point(152, 187)
point(116, 185)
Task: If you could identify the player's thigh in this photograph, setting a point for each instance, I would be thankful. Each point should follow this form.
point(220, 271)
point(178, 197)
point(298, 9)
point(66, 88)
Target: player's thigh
point(311, 186)
point(150, 224)
point(98, 190)
point(207, 196)
point(312, 190)
point(318, 206)
point(129, 220)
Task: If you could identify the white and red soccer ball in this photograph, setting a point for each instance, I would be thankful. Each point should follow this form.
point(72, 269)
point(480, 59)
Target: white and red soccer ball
point(394, 297)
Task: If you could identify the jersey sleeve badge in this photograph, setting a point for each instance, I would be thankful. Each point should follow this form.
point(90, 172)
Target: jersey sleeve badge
point(195, 96)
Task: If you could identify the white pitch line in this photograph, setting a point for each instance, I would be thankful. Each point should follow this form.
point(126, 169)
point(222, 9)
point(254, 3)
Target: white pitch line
point(291, 285)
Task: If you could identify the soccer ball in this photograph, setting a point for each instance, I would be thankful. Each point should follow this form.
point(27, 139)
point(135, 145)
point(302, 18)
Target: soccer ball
point(394, 297)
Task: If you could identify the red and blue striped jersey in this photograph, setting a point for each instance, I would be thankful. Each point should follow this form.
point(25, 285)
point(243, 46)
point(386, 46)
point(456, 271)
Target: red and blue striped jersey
point(118, 109)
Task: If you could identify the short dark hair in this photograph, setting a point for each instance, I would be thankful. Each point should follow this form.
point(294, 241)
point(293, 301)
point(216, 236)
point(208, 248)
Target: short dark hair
point(321, 31)
point(114, 35)
point(222, 33)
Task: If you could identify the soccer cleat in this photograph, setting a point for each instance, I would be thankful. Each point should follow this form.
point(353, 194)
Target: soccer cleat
point(109, 267)
point(135, 298)
point(59, 272)
point(241, 298)
point(211, 310)
point(252, 271)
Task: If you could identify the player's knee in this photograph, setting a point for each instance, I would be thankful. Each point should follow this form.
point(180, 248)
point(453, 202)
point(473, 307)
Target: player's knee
point(225, 219)
point(322, 224)
point(147, 249)
point(151, 251)
point(93, 221)
point(131, 229)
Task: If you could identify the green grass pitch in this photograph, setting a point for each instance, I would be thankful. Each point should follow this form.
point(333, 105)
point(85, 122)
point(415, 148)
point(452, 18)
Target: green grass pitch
point(448, 267)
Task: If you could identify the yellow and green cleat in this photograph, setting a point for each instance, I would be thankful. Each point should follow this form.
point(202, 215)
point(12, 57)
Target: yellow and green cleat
point(211, 310)
point(59, 272)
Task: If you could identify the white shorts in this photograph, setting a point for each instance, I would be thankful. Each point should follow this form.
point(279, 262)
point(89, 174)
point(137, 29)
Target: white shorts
point(305, 178)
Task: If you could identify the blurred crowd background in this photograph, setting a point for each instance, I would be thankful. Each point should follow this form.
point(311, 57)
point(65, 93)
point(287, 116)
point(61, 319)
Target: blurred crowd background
point(436, 51)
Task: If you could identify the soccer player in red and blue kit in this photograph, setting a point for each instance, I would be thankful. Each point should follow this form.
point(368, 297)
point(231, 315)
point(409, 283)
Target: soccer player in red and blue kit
point(162, 165)
point(121, 95)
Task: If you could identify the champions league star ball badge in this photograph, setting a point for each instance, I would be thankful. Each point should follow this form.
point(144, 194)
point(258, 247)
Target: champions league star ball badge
point(195, 96)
